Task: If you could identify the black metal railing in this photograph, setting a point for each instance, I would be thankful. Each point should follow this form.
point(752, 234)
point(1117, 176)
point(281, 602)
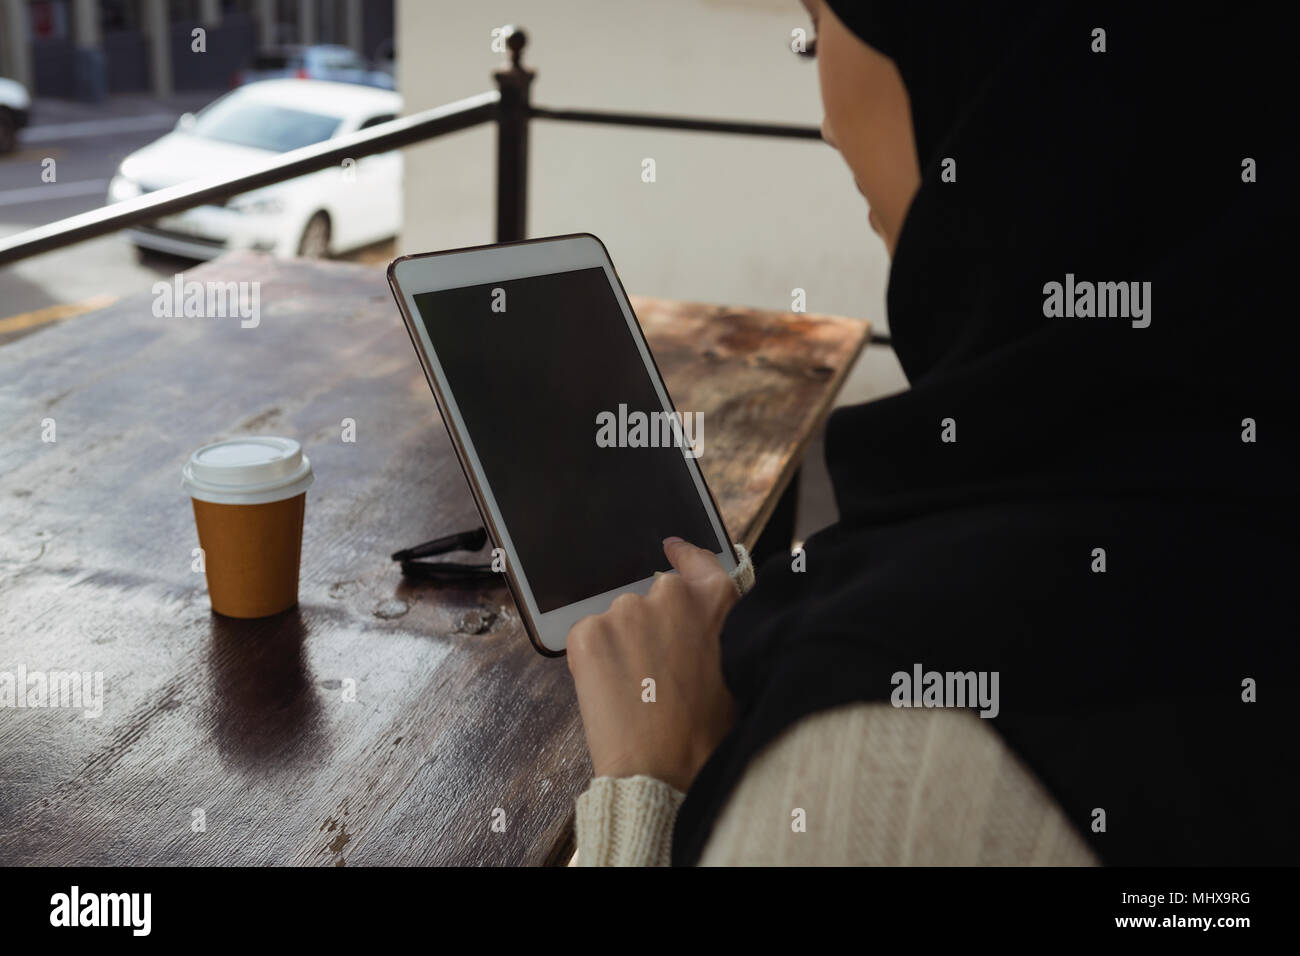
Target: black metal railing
point(510, 106)
point(133, 212)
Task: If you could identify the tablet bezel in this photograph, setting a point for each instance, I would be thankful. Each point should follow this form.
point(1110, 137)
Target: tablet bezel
point(409, 276)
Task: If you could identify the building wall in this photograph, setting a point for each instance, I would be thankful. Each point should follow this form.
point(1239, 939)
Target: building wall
point(229, 47)
point(737, 220)
point(119, 57)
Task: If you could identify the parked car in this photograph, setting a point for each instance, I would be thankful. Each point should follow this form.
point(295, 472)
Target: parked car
point(325, 212)
point(15, 110)
point(338, 64)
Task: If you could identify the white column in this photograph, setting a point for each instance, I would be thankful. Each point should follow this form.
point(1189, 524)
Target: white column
point(17, 38)
point(352, 25)
point(210, 13)
point(85, 24)
point(267, 24)
point(307, 21)
point(157, 27)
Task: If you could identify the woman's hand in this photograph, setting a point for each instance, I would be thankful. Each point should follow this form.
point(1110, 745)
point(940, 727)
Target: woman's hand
point(671, 637)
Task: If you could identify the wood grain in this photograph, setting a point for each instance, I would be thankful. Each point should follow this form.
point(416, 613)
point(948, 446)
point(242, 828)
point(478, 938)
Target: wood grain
point(250, 723)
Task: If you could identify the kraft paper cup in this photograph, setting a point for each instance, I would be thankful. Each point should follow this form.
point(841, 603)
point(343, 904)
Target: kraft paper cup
point(249, 495)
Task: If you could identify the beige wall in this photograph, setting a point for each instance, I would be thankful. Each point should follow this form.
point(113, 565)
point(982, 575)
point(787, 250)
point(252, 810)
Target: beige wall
point(739, 220)
point(735, 220)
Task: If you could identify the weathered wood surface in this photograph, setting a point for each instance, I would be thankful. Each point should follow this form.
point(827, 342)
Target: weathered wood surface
point(249, 722)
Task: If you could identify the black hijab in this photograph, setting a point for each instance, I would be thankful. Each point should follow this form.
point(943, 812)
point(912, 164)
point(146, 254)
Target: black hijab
point(1122, 689)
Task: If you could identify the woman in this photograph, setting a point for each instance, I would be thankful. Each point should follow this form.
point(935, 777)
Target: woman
point(1083, 504)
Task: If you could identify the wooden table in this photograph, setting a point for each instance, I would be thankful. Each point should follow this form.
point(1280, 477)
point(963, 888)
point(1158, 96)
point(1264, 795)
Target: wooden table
point(381, 722)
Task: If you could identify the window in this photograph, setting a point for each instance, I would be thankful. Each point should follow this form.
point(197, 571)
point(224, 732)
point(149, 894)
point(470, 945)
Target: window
point(236, 119)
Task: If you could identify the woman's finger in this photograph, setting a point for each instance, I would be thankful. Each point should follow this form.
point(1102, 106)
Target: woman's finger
point(695, 565)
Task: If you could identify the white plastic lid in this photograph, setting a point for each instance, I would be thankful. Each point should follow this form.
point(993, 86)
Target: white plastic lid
point(247, 471)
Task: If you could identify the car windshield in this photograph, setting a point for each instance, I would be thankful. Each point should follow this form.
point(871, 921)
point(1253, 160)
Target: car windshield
point(338, 59)
point(236, 119)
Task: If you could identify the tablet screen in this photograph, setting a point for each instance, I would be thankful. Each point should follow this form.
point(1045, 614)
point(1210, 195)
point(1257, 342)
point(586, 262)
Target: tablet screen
point(537, 366)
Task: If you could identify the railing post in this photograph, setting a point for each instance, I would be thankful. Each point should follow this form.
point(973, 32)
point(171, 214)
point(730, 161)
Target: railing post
point(515, 83)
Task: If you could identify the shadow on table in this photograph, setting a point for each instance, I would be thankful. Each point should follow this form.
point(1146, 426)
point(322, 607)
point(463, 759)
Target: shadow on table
point(266, 712)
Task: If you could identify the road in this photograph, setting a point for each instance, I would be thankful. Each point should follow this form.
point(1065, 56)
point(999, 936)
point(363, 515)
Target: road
point(86, 144)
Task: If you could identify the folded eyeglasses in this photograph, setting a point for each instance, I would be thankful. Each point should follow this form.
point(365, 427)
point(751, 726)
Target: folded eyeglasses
point(446, 571)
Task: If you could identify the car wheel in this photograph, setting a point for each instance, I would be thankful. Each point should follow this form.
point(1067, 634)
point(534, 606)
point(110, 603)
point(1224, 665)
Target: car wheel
point(8, 132)
point(315, 242)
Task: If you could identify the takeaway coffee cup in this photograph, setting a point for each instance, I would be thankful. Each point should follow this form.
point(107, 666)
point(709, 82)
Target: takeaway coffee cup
point(248, 496)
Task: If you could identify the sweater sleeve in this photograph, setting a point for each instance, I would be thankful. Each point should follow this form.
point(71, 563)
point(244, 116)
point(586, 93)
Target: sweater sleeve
point(626, 821)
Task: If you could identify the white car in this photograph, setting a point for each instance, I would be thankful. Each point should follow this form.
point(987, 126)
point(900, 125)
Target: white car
point(320, 214)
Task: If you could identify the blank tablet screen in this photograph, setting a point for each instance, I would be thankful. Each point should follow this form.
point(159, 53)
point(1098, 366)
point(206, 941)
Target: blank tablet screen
point(530, 381)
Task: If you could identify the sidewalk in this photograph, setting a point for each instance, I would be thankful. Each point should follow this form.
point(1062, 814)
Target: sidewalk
point(56, 121)
point(48, 110)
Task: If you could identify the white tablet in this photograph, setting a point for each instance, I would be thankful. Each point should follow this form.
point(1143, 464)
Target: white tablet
point(578, 461)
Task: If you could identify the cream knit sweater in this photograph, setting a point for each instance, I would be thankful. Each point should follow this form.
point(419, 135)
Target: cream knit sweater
point(865, 784)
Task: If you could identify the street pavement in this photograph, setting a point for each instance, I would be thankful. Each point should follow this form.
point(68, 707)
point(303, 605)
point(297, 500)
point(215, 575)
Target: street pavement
point(86, 142)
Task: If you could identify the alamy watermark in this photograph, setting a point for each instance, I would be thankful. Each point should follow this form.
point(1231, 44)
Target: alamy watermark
point(1085, 300)
point(75, 908)
point(624, 429)
point(208, 300)
point(922, 688)
point(41, 689)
